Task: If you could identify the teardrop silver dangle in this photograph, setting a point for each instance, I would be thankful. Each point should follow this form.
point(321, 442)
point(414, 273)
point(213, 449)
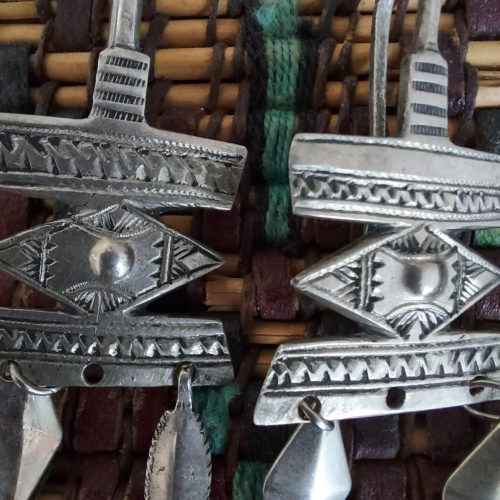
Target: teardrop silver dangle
point(179, 463)
point(323, 475)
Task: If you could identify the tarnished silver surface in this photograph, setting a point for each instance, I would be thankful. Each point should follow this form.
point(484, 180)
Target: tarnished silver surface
point(12, 402)
point(42, 435)
point(114, 259)
point(111, 259)
point(381, 24)
point(478, 476)
point(179, 462)
point(54, 348)
point(113, 154)
point(420, 176)
point(407, 283)
point(312, 466)
point(362, 377)
point(30, 435)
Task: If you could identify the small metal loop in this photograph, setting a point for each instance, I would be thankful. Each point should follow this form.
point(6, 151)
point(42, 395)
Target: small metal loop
point(482, 383)
point(314, 417)
point(485, 383)
point(16, 376)
point(185, 377)
point(482, 414)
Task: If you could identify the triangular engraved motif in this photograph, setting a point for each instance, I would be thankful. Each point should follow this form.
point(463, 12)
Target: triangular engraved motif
point(360, 281)
point(125, 258)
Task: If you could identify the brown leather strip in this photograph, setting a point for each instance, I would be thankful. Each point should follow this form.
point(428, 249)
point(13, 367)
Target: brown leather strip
point(398, 20)
point(153, 38)
point(211, 33)
point(239, 126)
point(37, 58)
point(239, 55)
point(148, 9)
point(341, 66)
point(96, 19)
point(221, 229)
point(450, 434)
point(348, 89)
point(235, 8)
point(154, 102)
point(323, 121)
point(43, 10)
point(275, 296)
point(94, 58)
point(465, 133)
point(325, 52)
point(214, 124)
point(217, 64)
point(322, 28)
point(184, 121)
point(72, 26)
point(46, 93)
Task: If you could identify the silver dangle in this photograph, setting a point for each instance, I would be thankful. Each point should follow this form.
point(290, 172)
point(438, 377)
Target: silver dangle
point(313, 463)
point(409, 277)
point(179, 462)
point(31, 433)
point(477, 476)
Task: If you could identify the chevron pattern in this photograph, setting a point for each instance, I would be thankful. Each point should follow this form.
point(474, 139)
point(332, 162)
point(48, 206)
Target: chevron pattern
point(50, 159)
point(57, 345)
point(361, 369)
point(318, 186)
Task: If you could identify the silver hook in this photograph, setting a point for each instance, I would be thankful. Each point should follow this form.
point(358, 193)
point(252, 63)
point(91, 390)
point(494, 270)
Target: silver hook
point(482, 383)
point(15, 375)
point(313, 416)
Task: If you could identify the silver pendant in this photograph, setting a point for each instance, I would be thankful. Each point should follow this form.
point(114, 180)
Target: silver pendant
point(31, 434)
point(110, 259)
point(114, 155)
point(107, 261)
point(179, 462)
point(313, 465)
point(405, 282)
point(477, 476)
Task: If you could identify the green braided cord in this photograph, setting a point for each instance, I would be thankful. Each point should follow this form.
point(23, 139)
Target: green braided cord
point(211, 403)
point(487, 238)
point(278, 211)
point(248, 480)
point(279, 22)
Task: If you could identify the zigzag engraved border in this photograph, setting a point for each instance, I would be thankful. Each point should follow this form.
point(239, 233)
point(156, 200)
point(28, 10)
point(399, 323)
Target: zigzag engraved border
point(340, 192)
point(332, 366)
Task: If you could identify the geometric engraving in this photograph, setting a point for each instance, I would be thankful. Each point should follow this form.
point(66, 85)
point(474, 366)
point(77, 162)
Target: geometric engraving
point(54, 347)
point(419, 176)
point(393, 181)
point(72, 161)
point(114, 155)
point(116, 258)
point(406, 283)
point(352, 377)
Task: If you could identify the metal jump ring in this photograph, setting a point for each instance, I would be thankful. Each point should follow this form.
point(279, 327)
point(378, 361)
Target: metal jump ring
point(16, 376)
point(483, 383)
point(315, 418)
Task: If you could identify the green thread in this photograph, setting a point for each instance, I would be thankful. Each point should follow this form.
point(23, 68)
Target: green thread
point(249, 479)
point(487, 238)
point(278, 212)
point(211, 403)
point(279, 22)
